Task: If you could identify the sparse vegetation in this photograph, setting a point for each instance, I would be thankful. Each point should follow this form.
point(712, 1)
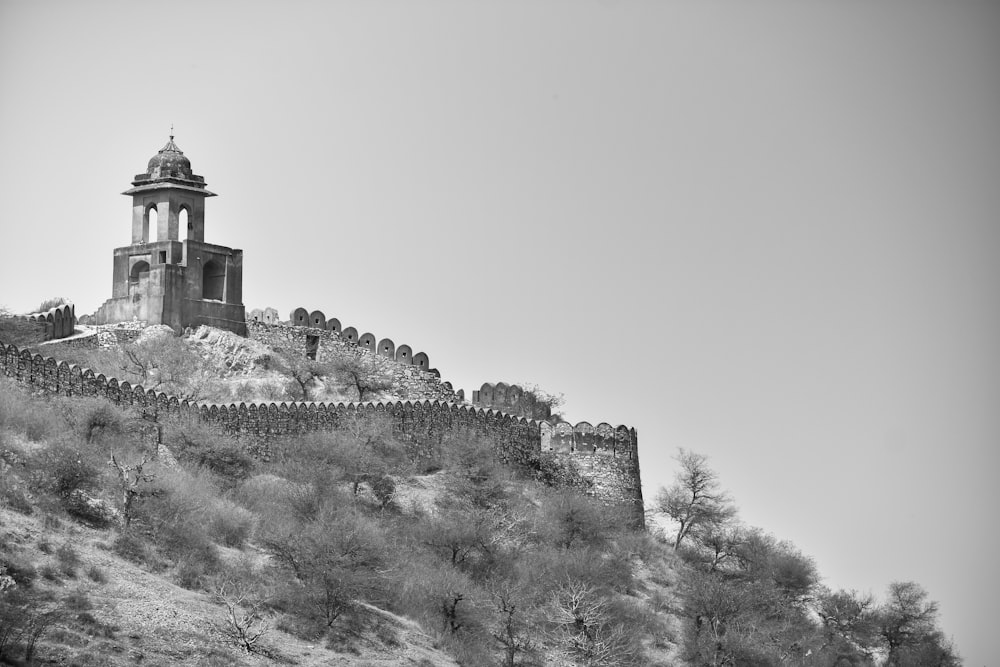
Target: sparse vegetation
point(751, 599)
point(331, 538)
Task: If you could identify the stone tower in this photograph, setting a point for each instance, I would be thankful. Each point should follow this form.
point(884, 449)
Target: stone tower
point(173, 277)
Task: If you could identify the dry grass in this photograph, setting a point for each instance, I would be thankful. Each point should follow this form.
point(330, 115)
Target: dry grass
point(133, 615)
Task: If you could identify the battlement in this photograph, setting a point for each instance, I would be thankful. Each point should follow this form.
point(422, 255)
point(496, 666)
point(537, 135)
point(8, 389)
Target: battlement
point(512, 397)
point(60, 322)
point(409, 380)
point(606, 455)
point(300, 317)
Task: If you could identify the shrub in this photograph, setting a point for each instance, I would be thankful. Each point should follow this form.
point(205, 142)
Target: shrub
point(132, 548)
point(68, 559)
point(572, 519)
point(229, 524)
point(179, 510)
point(193, 573)
point(441, 597)
point(93, 627)
point(61, 470)
point(22, 572)
point(91, 511)
point(95, 573)
point(199, 444)
point(11, 493)
point(77, 600)
point(559, 472)
point(183, 542)
point(99, 420)
point(384, 489)
point(228, 461)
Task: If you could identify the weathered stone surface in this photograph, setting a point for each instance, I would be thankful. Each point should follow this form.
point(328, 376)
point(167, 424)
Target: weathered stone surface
point(174, 278)
point(607, 456)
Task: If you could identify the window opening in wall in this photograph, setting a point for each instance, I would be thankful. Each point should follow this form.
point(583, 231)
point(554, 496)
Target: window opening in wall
point(312, 347)
point(139, 271)
point(213, 281)
point(183, 222)
point(153, 224)
point(163, 257)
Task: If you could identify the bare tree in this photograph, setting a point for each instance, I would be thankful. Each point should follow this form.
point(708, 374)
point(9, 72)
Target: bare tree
point(849, 619)
point(696, 498)
point(130, 477)
point(583, 630)
point(303, 372)
point(244, 623)
point(716, 546)
point(165, 362)
point(334, 557)
point(361, 376)
point(513, 625)
point(38, 623)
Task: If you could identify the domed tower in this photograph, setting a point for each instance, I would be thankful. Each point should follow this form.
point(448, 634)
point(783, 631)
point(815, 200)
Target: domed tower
point(169, 275)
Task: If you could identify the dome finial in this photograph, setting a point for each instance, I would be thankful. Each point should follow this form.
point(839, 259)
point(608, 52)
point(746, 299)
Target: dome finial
point(171, 132)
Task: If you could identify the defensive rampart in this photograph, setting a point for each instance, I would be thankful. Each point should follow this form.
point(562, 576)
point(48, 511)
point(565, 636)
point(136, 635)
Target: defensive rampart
point(607, 455)
point(385, 347)
point(510, 397)
point(409, 380)
point(59, 322)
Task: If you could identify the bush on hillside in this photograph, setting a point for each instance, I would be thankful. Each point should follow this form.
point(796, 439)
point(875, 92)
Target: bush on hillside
point(558, 472)
point(197, 444)
point(32, 417)
point(63, 469)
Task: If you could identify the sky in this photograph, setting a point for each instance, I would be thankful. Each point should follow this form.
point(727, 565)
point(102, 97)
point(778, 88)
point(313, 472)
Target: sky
point(766, 232)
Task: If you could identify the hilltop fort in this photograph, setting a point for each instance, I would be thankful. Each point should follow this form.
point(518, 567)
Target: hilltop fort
point(170, 275)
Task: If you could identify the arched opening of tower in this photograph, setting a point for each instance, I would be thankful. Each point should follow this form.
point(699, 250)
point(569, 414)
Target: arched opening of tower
point(184, 223)
point(152, 224)
point(213, 281)
point(140, 271)
point(138, 279)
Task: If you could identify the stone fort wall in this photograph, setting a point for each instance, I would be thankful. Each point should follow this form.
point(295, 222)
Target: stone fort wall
point(59, 322)
point(409, 381)
point(606, 455)
point(384, 347)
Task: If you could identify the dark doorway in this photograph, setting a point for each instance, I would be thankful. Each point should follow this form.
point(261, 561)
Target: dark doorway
point(213, 281)
point(312, 347)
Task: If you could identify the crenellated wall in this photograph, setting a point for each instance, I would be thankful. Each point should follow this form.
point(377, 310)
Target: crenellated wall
point(510, 397)
point(606, 455)
point(384, 347)
point(59, 322)
point(409, 381)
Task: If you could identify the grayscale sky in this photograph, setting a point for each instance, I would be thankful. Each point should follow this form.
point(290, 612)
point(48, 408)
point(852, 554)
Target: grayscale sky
point(764, 231)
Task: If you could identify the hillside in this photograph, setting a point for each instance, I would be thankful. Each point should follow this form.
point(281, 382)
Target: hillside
point(368, 542)
point(357, 547)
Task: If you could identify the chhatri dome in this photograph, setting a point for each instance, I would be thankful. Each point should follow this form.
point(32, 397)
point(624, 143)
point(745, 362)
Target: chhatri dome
point(169, 164)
